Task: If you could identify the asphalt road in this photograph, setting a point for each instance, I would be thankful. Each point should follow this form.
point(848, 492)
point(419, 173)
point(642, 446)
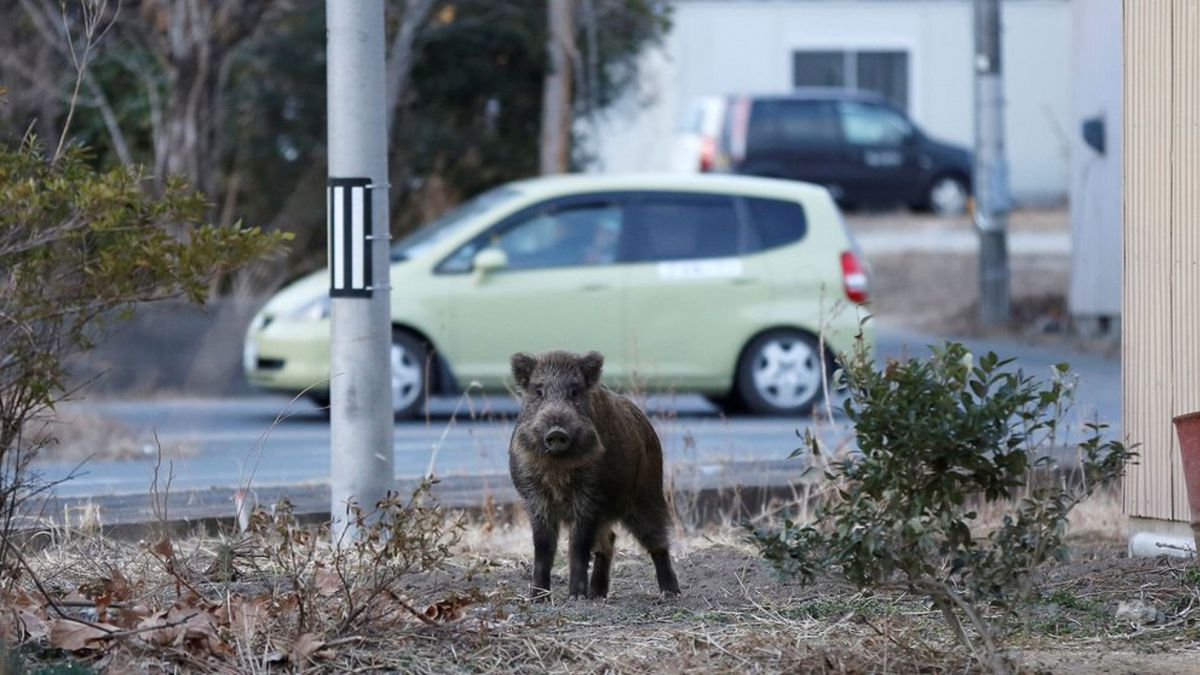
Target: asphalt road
point(267, 440)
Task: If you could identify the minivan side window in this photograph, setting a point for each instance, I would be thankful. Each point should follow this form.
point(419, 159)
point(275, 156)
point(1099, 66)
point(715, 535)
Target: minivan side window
point(874, 125)
point(776, 221)
point(778, 124)
point(680, 227)
point(565, 236)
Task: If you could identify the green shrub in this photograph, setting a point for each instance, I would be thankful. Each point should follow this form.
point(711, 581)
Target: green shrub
point(78, 248)
point(937, 438)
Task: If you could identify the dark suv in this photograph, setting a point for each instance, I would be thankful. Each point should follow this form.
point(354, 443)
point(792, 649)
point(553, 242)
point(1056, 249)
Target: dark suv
point(856, 144)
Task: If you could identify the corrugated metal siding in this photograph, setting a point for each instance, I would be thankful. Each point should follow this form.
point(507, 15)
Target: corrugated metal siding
point(1161, 312)
point(1185, 233)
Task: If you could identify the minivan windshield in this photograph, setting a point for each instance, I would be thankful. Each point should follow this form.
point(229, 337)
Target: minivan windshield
point(449, 223)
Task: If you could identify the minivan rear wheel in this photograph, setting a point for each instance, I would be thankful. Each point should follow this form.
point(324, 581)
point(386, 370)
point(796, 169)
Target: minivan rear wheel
point(780, 373)
point(947, 196)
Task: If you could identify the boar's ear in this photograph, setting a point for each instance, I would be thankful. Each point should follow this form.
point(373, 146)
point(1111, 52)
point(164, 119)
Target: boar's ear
point(522, 368)
point(591, 364)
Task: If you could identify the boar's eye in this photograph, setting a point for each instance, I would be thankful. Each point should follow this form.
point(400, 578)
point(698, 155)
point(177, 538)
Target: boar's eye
point(539, 392)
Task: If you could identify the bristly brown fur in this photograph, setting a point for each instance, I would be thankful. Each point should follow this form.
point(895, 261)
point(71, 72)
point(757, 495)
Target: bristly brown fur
point(585, 456)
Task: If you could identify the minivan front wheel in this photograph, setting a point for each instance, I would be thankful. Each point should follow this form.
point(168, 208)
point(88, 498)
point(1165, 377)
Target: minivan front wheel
point(947, 196)
point(780, 373)
point(408, 357)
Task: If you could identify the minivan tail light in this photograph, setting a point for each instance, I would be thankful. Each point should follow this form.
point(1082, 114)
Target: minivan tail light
point(708, 154)
point(854, 278)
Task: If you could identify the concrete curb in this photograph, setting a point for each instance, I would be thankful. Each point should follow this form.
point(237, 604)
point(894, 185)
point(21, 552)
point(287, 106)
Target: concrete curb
point(709, 493)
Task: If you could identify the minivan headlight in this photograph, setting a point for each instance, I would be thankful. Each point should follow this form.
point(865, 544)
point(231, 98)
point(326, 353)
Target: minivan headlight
point(313, 310)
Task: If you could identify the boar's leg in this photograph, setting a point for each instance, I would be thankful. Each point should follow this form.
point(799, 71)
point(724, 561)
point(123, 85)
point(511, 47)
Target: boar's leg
point(649, 527)
point(583, 538)
point(545, 541)
point(602, 563)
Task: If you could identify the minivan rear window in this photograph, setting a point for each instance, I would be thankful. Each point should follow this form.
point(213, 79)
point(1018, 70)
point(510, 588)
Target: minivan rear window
point(776, 221)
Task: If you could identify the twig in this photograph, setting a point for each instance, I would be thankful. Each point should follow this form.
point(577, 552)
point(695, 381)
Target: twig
point(45, 594)
point(446, 429)
point(113, 635)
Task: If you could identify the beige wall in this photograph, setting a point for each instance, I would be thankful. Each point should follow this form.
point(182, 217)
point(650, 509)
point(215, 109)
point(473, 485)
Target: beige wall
point(1161, 295)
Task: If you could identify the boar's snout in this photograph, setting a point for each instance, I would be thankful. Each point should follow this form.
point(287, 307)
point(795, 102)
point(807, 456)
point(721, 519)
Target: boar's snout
point(556, 440)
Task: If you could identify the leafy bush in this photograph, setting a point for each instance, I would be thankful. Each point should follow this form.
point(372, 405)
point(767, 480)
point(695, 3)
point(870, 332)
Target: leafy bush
point(77, 248)
point(938, 437)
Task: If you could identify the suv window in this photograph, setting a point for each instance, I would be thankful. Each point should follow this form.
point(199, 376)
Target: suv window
point(680, 227)
point(786, 124)
point(564, 236)
point(868, 124)
point(776, 221)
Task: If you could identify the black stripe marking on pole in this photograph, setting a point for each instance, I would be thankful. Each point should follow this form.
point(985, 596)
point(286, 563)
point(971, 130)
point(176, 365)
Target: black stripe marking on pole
point(350, 246)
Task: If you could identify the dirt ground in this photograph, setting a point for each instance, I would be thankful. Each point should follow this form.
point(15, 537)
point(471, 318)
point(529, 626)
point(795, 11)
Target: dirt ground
point(1099, 612)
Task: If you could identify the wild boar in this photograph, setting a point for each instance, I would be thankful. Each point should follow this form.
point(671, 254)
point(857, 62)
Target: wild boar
point(585, 456)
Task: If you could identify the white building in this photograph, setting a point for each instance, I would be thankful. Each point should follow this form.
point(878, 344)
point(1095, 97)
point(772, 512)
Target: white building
point(1095, 297)
point(917, 51)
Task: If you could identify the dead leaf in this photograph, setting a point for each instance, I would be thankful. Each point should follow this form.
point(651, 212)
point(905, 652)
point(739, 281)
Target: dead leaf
point(33, 625)
point(118, 585)
point(327, 581)
point(77, 637)
point(450, 609)
point(130, 617)
point(245, 615)
point(305, 647)
point(285, 603)
point(164, 548)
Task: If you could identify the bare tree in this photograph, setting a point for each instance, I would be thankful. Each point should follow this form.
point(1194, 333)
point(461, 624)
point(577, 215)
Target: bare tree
point(556, 95)
point(190, 42)
point(402, 52)
point(193, 41)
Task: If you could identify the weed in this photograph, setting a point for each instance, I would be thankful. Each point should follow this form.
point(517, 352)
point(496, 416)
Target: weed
point(937, 438)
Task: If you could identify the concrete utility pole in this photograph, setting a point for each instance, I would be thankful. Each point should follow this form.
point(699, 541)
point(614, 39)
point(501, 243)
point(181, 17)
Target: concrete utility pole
point(556, 91)
point(992, 201)
point(360, 388)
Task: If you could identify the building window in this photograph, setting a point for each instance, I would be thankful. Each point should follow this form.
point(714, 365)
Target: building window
point(880, 71)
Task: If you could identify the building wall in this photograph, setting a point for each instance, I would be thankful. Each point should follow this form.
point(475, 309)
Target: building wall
point(732, 46)
point(1096, 178)
point(1161, 297)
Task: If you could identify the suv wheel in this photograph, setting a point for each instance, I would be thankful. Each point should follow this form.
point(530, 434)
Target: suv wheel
point(408, 364)
point(947, 196)
point(780, 373)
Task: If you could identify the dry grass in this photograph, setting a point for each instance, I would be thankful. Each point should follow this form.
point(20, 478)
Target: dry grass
point(735, 615)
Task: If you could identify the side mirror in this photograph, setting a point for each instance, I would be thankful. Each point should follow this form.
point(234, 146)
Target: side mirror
point(487, 261)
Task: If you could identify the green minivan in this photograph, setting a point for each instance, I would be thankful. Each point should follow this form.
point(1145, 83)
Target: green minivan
point(728, 286)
